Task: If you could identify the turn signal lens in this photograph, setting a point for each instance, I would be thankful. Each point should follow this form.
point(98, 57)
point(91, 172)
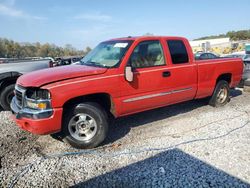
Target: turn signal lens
point(42, 106)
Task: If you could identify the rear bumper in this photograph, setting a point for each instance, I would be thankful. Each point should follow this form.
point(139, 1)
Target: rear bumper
point(36, 122)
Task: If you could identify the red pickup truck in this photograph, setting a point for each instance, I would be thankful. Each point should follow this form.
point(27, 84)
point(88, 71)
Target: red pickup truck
point(119, 77)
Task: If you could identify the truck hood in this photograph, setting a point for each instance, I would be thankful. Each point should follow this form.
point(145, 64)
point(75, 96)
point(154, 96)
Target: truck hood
point(50, 75)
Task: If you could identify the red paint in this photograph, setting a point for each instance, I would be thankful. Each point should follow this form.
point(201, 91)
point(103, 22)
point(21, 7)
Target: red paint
point(68, 82)
point(42, 126)
point(43, 76)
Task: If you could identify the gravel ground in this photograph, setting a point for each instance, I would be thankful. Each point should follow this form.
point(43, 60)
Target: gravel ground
point(185, 145)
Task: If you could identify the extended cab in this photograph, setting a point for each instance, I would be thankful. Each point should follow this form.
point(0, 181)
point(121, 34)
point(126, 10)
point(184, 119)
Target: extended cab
point(119, 77)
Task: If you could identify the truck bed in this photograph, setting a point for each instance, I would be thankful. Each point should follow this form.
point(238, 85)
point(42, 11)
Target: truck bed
point(209, 70)
point(23, 66)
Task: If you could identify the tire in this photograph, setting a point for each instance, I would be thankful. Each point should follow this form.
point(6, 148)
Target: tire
point(85, 125)
point(241, 84)
point(220, 95)
point(6, 96)
point(247, 82)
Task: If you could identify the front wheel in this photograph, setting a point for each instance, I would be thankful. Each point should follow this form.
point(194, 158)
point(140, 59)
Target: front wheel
point(221, 94)
point(85, 125)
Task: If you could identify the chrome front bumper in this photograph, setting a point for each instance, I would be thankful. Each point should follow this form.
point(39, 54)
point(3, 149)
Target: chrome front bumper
point(27, 112)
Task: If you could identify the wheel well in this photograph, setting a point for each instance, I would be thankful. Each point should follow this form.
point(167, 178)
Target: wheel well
point(227, 77)
point(103, 99)
point(7, 81)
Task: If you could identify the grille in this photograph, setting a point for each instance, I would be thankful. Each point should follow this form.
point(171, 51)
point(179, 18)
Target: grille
point(19, 91)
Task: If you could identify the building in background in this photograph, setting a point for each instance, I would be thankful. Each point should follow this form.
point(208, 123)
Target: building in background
point(220, 45)
point(208, 44)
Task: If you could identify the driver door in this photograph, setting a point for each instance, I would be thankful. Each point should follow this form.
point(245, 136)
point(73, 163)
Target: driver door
point(150, 87)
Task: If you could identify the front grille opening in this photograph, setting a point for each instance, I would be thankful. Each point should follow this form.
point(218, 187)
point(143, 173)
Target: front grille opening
point(19, 96)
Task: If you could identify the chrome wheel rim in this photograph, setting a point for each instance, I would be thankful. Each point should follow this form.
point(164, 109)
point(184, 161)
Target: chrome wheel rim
point(82, 127)
point(222, 95)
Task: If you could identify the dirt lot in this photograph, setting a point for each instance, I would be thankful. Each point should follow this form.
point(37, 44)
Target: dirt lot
point(185, 145)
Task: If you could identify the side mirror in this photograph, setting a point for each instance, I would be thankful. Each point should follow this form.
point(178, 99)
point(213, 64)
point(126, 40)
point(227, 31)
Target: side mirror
point(129, 75)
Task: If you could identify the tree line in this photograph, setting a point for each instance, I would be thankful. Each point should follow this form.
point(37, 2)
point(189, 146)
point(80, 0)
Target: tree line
point(12, 49)
point(233, 35)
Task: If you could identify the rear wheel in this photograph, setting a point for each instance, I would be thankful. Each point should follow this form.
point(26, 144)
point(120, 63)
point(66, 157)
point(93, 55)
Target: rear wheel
point(85, 125)
point(6, 96)
point(221, 94)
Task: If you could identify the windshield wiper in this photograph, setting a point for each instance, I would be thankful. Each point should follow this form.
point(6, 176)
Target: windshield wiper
point(95, 64)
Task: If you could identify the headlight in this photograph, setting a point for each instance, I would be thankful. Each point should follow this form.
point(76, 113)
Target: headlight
point(39, 105)
point(37, 99)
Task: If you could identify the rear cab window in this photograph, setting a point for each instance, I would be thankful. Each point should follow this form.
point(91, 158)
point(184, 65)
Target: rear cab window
point(178, 51)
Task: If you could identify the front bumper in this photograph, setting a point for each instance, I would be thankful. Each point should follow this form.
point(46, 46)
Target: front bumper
point(35, 121)
point(29, 113)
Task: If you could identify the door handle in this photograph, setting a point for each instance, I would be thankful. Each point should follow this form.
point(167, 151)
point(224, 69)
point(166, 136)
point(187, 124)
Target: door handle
point(166, 74)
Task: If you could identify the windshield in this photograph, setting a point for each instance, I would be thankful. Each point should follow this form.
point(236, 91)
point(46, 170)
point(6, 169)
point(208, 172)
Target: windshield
point(107, 54)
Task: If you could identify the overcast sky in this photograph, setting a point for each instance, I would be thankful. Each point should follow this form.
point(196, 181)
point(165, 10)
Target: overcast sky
point(85, 23)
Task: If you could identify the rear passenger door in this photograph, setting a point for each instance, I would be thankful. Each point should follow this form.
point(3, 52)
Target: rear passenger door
point(183, 79)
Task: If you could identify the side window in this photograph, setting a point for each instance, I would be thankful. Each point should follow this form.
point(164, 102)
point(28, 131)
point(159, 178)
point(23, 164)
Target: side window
point(147, 54)
point(211, 56)
point(204, 56)
point(178, 51)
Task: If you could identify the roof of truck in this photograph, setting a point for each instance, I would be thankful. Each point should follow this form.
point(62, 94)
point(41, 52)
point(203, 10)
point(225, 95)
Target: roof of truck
point(145, 37)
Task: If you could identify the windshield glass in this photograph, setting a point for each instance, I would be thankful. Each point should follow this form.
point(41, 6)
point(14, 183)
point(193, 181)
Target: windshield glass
point(107, 54)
